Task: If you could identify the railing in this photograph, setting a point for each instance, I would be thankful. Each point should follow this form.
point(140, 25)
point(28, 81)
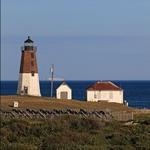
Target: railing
point(33, 48)
point(43, 113)
point(122, 116)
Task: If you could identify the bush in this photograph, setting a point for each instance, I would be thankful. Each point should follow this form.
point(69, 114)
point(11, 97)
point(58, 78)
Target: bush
point(18, 146)
point(72, 133)
point(86, 124)
point(19, 127)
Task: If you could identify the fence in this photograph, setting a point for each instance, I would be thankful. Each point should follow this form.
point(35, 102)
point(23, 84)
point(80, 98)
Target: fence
point(45, 114)
point(122, 116)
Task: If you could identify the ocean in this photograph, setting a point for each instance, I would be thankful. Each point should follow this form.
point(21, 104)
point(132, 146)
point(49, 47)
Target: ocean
point(136, 93)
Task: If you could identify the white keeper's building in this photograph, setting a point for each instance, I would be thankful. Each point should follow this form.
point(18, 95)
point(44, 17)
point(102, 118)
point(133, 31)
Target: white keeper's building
point(105, 91)
point(64, 91)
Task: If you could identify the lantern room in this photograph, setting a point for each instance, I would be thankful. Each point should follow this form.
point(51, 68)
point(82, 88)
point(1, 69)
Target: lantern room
point(28, 44)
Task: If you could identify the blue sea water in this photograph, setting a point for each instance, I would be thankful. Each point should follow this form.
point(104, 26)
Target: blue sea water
point(137, 93)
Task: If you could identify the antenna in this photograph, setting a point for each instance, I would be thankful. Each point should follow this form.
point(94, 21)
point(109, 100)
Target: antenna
point(52, 78)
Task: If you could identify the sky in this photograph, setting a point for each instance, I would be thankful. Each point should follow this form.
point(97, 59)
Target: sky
point(84, 39)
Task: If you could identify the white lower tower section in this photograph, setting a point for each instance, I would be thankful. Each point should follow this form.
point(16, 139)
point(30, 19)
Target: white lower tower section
point(29, 84)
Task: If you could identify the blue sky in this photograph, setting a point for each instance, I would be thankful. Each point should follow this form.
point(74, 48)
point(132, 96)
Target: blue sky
point(85, 39)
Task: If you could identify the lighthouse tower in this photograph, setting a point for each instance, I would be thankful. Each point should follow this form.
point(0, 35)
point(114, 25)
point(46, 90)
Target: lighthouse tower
point(28, 83)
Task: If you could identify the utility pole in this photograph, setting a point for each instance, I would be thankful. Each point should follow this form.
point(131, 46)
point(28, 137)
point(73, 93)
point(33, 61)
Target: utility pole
point(52, 78)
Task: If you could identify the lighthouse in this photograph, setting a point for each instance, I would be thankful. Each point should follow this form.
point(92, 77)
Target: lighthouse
point(28, 83)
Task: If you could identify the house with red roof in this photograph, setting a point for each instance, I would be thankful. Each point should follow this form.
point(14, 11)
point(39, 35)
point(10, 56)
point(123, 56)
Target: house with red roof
point(105, 91)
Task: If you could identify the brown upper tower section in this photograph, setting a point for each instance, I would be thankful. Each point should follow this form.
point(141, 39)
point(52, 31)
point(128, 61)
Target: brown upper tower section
point(28, 58)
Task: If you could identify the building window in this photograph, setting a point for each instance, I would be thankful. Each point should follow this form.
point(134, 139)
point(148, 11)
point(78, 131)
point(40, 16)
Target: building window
point(120, 92)
point(111, 95)
point(95, 96)
point(99, 95)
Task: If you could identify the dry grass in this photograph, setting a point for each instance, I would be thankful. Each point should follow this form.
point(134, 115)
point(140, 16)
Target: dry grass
point(47, 103)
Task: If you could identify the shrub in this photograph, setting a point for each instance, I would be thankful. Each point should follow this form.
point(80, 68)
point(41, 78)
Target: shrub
point(18, 146)
point(72, 133)
point(19, 127)
point(86, 124)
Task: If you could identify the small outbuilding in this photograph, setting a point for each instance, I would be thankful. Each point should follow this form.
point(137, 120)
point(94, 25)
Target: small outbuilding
point(105, 91)
point(64, 91)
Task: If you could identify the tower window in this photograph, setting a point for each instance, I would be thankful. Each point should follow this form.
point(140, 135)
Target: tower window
point(32, 55)
point(32, 63)
point(32, 73)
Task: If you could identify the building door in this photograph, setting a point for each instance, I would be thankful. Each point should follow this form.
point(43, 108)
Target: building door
point(25, 90)
point(64, 95)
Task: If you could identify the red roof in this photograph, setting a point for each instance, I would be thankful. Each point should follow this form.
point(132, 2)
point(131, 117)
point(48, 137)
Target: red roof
point(106, 86)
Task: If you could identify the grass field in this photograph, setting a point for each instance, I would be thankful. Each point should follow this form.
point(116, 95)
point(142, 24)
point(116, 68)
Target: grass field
point(47, 103)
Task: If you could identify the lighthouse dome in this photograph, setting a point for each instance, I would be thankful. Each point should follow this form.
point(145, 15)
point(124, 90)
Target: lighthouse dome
point(28, 42)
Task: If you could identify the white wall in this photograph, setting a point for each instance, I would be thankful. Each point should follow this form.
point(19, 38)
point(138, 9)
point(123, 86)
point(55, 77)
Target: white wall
point(110, 96)
point(32, 82)
point(63, 88)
